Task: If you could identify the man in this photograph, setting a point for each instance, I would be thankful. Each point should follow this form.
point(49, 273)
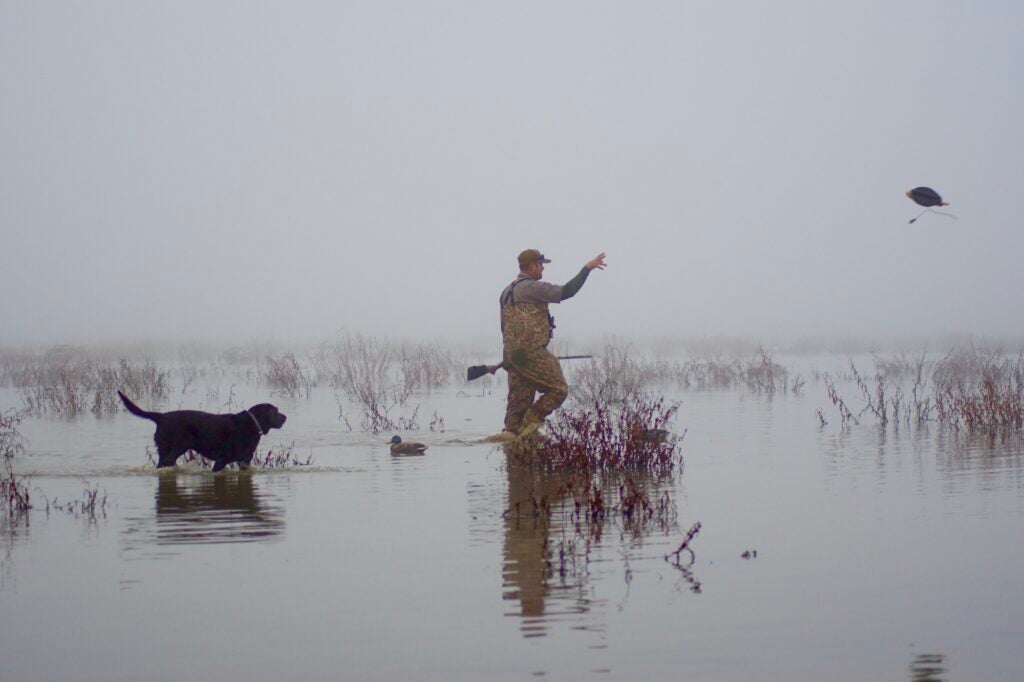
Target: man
point(526, 327)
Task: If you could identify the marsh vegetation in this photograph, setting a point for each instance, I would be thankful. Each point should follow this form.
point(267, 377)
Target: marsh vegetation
point(619, 374)
point(969, 389)
point(380, 377)
point(612, 462)
point(15, 498)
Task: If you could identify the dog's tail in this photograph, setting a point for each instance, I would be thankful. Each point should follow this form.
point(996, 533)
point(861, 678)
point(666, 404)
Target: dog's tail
point(136, 410)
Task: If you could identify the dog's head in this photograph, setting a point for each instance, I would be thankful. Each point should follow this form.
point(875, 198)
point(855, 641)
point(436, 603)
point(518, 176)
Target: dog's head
point(267, 416)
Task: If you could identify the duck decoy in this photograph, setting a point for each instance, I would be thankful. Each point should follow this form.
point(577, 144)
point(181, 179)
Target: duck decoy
point(929, 198)
point(655, 435)
point(400, 447)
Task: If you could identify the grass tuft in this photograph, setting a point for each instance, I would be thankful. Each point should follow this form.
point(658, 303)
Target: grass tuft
point(15, 497)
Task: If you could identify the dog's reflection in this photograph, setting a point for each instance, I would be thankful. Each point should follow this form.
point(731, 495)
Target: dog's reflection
point(218, 508)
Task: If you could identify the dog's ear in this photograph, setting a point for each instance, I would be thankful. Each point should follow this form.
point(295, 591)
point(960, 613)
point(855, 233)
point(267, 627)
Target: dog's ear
point(270, 416)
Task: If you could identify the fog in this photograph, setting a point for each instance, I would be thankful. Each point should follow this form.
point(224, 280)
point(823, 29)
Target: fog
point(224, 170)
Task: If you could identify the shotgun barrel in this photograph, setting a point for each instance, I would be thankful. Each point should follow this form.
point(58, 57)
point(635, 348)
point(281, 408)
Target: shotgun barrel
point(477, 371)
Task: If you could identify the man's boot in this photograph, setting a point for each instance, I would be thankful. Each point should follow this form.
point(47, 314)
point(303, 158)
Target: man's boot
point(504, 436)
point(531, 422)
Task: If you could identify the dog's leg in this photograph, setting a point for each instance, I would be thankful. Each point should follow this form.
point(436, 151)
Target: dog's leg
point(243, 466)
point(220, 463)
point(168, 457)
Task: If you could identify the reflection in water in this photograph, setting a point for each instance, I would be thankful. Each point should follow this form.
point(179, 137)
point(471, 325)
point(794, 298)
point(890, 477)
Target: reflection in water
point(997, 458)
point(212, 508)
point(683, 558)
point(209, 508)
point(528, 569)
point(13, 530)
point(549, 538)
point(928, 668)
point(964, 463)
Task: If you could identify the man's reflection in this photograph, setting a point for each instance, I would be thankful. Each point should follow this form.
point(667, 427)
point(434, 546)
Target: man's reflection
point(539, 558)
point(553, 523)
point(928, 668)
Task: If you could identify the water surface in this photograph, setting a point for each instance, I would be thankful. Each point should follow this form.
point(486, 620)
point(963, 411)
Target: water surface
point(882, 554)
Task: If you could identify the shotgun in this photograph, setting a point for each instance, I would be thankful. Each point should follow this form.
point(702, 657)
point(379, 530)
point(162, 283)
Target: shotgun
point(477, 371)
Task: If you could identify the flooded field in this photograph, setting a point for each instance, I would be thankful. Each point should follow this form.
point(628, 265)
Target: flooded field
point(877, 543)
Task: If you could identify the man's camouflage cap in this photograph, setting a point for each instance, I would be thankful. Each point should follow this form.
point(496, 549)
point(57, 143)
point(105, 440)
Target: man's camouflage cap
point(531, 256)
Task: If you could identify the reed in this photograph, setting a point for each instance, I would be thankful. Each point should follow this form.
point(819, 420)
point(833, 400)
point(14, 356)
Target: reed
point(617, 375)
point(286, 376)
point(760, 373)
point(144, 378)
point(69, 382)
point(614, 377)
point(354, 360)
point(381, 378)
point(426, 366)
point(240, 356)
point(14, 490)
point(984, 393)
point(874, 398)
point(704, 373)
point(282, 458)
point(437, 422)
point(969, 389)
point(901, 367)
point(91, 505)
point(192, 366)
point(62, 390)
point(845, 413)
point(379, 405)
point(12, 443)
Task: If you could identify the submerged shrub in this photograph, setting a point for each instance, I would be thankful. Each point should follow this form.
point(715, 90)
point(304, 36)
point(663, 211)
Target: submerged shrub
point(381, 377)
point(594, 467)
point(614, 377)
point(969, 389)
point(632, 436)
point(426, 366)
point(68, 382)
point(285, 375)
point(980, 391)
point(14, 493)
point(619, 376)
point(354, 360)
point(90, 505)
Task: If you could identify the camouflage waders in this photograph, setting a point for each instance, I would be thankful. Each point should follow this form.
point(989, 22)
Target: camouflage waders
point(532, 368)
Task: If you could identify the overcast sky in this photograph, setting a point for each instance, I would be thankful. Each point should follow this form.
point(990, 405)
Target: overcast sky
point(193, 170)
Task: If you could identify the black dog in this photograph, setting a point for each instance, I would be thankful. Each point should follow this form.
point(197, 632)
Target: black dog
point(224, 438)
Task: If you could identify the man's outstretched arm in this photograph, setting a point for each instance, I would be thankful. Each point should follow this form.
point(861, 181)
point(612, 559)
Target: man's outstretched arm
point(572, 287)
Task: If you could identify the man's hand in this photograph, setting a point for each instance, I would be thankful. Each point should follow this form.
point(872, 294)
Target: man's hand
point(597, 263)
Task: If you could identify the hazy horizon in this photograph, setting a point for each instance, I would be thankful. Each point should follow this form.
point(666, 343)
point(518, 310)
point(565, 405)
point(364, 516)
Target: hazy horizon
point(226, 171)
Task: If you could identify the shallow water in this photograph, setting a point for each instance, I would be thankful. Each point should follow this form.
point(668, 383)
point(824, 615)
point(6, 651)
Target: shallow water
point(882, 554)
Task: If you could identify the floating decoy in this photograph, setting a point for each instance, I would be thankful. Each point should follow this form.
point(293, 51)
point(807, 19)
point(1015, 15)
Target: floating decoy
point(399, 447)
point(655, 435)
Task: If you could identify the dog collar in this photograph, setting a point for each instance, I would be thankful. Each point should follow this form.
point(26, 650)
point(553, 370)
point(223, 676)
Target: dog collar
point(257, 422)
